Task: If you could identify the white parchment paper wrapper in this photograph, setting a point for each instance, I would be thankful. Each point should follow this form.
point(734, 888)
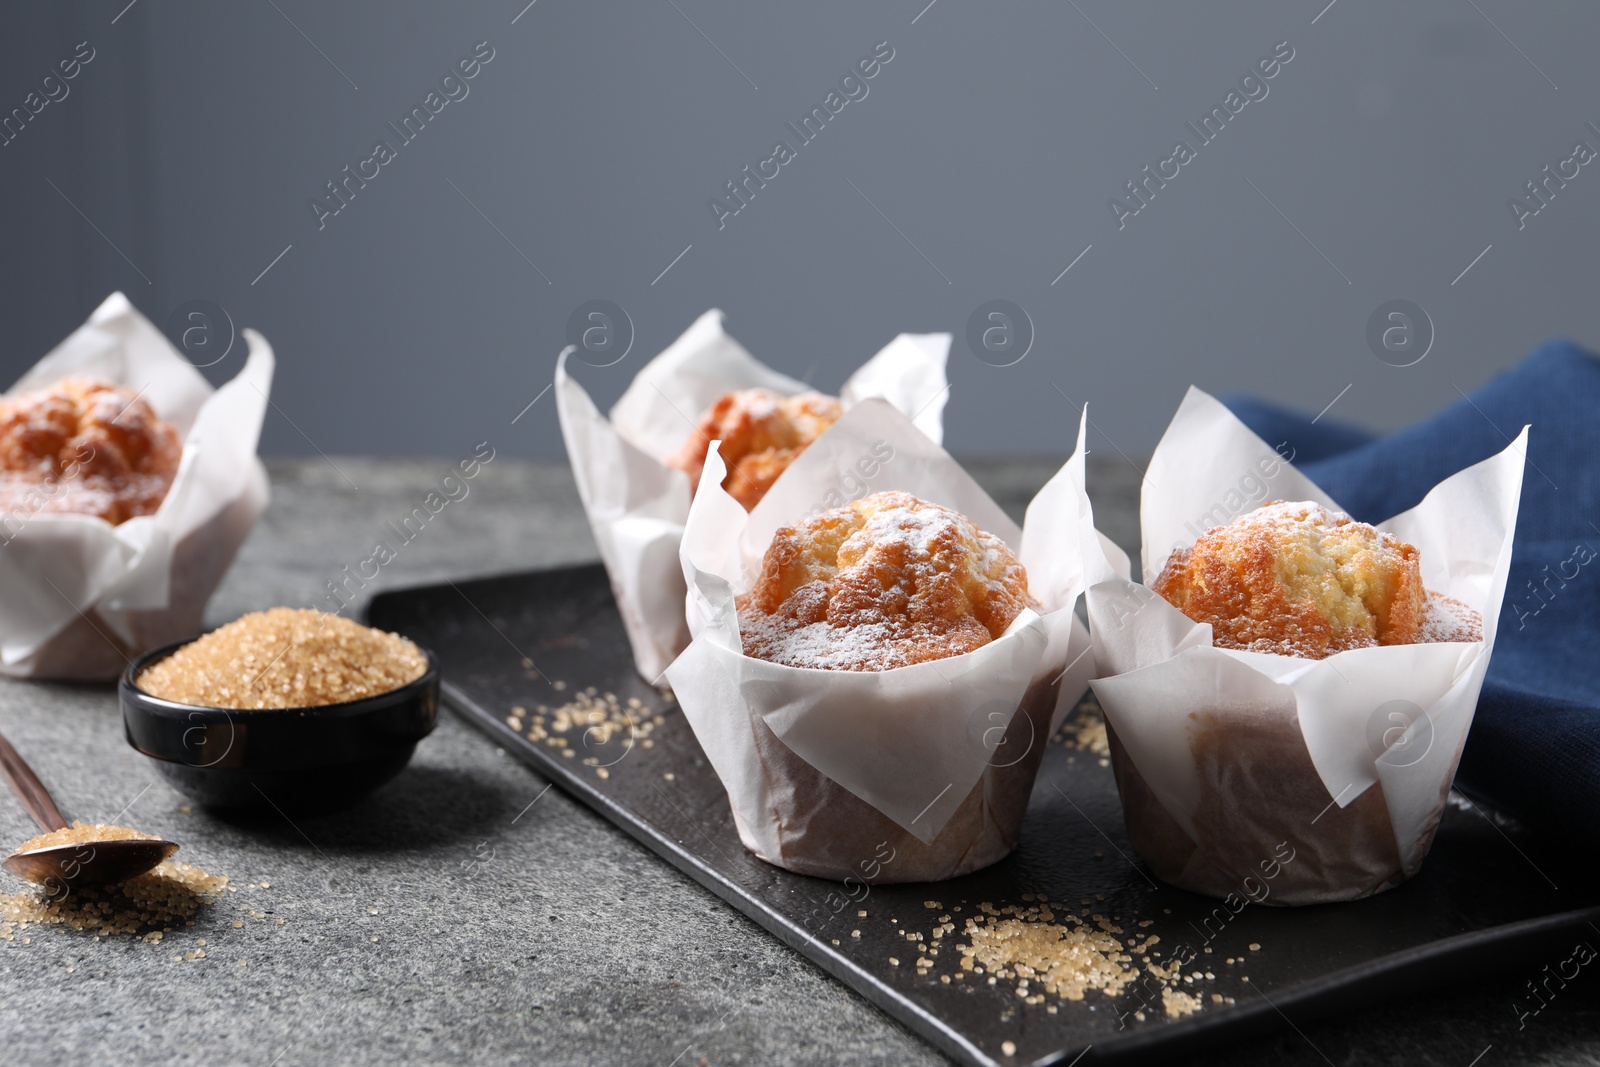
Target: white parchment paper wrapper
point(637, 505)
point(1224, 755)
point(829, 771)
point(79, 597)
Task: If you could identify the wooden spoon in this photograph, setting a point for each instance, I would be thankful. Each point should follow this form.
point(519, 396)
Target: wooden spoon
point(86, 863)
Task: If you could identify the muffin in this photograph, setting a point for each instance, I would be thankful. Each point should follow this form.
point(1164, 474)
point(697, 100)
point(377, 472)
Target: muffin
point(876, 684)
point(884, 582)
point(762, 432)
point(1298, 579)
point(1292, 579)
point(85, 446)
point(1288, 694)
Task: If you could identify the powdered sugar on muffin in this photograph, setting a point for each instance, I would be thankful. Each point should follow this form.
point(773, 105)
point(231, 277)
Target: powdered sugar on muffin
point(884, 582)
point(1450, 620)
point(1299, 579)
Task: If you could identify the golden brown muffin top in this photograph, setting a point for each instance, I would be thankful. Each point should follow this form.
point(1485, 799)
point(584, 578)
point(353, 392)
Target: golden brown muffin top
point(85, 446)
point(887, 581)
point(761, 433)
point(1299, 579)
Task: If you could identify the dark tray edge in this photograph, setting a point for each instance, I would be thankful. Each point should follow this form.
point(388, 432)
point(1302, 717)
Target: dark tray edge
point(1475, 952)
point(1357, 985)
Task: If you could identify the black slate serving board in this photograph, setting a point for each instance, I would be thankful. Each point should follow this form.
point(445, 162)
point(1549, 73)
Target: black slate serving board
point(1492, 895)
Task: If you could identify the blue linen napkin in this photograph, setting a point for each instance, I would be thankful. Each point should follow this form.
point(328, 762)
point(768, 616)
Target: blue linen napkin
point(1534, 748)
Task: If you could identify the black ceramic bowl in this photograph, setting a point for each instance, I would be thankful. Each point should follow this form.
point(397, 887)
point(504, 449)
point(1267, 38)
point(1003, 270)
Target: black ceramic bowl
point(290, 759)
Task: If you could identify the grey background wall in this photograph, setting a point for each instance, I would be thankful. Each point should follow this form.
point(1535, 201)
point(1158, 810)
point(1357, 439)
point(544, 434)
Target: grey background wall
point(428, 312)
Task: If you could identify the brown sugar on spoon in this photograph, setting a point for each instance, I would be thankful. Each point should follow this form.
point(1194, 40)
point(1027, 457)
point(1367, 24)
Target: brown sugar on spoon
point(80, 833)
point(88, 447)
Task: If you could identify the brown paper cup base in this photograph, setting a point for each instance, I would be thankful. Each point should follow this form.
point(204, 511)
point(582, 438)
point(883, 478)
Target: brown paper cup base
point(826, 831)
point(1261, 802)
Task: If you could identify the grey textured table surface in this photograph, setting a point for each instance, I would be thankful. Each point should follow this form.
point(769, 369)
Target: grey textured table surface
point(426, 926)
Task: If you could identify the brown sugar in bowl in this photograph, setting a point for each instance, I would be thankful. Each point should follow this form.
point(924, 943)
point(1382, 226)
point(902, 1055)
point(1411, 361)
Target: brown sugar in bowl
point(343, 742)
